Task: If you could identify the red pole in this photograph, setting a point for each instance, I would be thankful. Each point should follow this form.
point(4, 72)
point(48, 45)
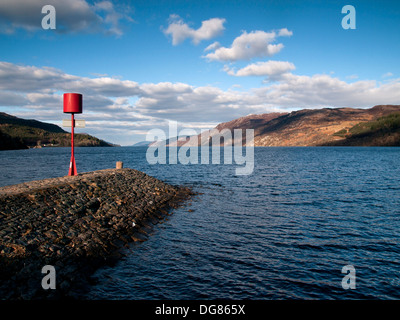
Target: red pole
point(72, 165)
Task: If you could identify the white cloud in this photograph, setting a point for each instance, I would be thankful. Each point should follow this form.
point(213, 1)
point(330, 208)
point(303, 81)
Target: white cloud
point(267, 68)
point(196, 104)
point(321, 90)
point(352, 76)
point(180, 31)
point(213, 46)
point(44, 98)
point(11, 99)
point(164, 89)
point(112, 17)
point(30, 78)
point(105, 85)
point(387, 75)
point(285, 33)
point(71, 16)
point(250, 45)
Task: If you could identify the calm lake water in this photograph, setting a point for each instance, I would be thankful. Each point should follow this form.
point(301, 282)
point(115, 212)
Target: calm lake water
point(283, 232)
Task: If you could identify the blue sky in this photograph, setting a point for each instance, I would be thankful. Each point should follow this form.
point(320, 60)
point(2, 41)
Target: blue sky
point(141, 64)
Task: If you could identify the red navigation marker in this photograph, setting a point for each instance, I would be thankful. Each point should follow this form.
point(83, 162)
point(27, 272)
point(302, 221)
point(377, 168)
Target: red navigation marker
point(72, 104)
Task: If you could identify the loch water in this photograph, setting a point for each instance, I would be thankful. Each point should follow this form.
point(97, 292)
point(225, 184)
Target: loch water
point(283, 232)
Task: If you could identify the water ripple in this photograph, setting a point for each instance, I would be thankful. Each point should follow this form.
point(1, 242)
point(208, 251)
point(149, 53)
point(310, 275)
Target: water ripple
point(284, 232)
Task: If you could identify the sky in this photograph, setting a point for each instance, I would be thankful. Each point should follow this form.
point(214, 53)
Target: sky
point(141, 64)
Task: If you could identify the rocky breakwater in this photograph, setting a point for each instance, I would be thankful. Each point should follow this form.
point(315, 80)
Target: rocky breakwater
point(75, 224)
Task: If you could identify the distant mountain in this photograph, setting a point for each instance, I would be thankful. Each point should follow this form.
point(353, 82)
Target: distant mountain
point(17, 133)
point(142, 144)
point(171, 142)
point(328, 126)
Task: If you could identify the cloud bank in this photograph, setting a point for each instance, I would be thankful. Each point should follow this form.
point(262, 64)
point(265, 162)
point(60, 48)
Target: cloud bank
point(125, 106)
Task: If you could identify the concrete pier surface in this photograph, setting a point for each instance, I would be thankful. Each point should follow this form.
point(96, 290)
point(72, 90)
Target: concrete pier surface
point(75, 224)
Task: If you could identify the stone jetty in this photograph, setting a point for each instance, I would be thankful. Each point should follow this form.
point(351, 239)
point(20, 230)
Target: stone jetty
point(75, 224)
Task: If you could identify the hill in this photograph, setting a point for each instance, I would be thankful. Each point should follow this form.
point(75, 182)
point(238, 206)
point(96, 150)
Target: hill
point(9, 143)
point(385, 131)
point(17, 133)
point(12, 120)
point(319, 127)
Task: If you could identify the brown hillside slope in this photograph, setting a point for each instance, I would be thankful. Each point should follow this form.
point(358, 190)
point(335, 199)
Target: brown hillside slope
point(307, 127)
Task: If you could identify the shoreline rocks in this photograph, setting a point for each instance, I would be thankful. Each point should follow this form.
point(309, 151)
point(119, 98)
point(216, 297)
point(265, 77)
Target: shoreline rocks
point(75, 224)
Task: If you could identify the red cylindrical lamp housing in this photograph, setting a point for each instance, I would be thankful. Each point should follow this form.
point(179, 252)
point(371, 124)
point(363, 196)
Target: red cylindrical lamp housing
point(72, 103)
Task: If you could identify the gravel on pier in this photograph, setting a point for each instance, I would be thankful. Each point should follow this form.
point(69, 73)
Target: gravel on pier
point(75, 224)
